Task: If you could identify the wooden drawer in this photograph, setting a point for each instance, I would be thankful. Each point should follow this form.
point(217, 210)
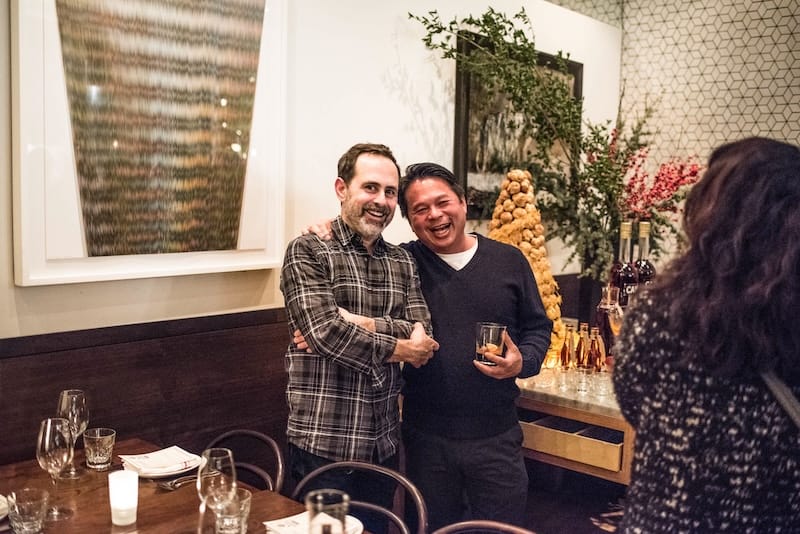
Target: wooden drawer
point(573, 440)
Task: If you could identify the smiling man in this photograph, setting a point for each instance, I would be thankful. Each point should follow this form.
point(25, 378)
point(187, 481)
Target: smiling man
point(343, 388)
point(461, 433)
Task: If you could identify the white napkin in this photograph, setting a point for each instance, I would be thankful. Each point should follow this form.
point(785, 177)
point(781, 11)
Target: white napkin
point(298, 524)
point(162, 462)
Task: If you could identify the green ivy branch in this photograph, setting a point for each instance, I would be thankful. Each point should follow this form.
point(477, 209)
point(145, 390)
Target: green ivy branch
point(579, 193)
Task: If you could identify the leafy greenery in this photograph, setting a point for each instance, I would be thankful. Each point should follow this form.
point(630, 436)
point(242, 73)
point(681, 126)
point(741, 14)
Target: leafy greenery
point(500, 52)
point(588, 215)
point(579, 176)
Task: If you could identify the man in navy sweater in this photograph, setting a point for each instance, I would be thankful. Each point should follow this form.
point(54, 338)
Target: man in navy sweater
point(461, 434)
point(462, 438)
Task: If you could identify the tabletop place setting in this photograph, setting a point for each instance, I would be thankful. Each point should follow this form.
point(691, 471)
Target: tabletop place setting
point(131, 485)
point(326, 513)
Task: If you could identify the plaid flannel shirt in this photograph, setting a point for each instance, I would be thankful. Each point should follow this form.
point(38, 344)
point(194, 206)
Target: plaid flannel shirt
point(343, 395)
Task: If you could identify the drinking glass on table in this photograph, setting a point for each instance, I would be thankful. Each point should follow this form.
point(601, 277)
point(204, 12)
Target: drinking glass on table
point(216, 479)
point(233, 517)
point(27, 509)
point(98, 443)
point(54, 453)
point(72, 406)
point(327, 511)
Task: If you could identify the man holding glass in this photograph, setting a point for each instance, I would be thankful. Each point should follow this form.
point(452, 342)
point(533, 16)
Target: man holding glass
point(342, 391)
point(461, 432)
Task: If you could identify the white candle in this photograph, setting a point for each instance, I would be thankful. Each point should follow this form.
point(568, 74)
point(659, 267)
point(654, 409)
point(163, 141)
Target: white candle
point(123, 495)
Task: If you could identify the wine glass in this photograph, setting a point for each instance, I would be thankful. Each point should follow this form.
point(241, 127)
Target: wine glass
point(216, 479)
point(54, 453)
point(72, 406)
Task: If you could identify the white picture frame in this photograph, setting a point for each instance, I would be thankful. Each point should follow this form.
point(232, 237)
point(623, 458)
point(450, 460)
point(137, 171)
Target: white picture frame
point(48, 240)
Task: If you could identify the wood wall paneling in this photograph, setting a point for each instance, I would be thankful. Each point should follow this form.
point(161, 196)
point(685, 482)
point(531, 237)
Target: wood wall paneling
point(171, 382)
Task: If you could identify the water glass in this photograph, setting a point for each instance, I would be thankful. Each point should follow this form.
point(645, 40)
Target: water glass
point(232, 518)
point(327, 511)
point(216, 479)
point(583, 380)
point(564, 378)
point(99, 447)
point(603, 386)
point(27, 509)
point(545, 379)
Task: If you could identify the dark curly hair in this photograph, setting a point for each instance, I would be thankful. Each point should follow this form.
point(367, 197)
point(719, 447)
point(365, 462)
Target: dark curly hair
point(735, 289)
point(418, 171)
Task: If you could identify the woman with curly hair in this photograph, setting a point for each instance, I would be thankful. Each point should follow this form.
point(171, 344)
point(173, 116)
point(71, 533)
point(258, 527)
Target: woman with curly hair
point(714, 449)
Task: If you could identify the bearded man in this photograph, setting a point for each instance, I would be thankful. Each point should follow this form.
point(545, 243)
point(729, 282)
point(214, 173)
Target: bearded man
point(343, 389)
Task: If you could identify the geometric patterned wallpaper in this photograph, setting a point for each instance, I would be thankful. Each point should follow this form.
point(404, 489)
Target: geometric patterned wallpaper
point(717, 70)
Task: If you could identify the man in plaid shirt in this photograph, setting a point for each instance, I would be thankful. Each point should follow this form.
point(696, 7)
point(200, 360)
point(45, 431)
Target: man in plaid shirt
point(342, 391)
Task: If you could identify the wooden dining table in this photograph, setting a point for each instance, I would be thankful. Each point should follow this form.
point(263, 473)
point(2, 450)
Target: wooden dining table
point(159, 510)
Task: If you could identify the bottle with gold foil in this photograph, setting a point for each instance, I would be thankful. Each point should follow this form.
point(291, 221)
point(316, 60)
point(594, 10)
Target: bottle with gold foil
point(609, 317)
point(566, 363)
point(644, 267)
point(628, 275)
point(582, 346)
point(597, 352)
point(625, 228)
point(567, 354)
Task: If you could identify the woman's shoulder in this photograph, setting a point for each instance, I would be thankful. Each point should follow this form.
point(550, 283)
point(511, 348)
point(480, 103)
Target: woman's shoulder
point(647, 310)
point(648, 332)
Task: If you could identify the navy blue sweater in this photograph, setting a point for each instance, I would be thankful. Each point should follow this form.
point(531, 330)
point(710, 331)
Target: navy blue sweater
point(448, 396)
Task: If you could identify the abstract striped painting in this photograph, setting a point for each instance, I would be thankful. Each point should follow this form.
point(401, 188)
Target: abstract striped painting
point(160, 99)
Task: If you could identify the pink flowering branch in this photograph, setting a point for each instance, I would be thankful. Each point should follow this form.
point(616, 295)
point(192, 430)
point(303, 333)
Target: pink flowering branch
point(645, 195)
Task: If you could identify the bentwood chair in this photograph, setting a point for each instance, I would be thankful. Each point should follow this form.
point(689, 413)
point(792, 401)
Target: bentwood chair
point(481, 526)
point(255, 455)
point(401, 481)
point(402, 528)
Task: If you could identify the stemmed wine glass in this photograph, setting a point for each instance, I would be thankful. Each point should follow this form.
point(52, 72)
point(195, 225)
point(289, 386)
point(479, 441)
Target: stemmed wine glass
point(72, 406)
point(54, 453)
point(216, 479)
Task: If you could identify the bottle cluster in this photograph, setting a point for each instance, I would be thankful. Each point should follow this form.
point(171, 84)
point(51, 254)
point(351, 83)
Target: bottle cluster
point(586, 356)
point(625, 277)
point(626, 273)
point(583, 365)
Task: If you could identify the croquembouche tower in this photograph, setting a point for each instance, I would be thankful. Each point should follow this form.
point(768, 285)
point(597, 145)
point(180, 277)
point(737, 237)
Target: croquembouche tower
point(517, 221)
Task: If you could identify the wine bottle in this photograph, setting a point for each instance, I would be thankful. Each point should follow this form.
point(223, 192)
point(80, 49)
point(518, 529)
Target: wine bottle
point(628, 276)
point(609, 317)
point(613, 276)
point(645, 268)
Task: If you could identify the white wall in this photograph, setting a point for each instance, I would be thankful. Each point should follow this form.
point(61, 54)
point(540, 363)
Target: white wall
point(357, 71)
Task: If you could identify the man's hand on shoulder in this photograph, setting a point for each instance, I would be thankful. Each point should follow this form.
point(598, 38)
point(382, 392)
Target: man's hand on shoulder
point(508, 366)
point(417, 349)
point(321, 229)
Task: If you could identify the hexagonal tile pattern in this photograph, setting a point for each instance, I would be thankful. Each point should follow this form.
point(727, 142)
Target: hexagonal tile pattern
point(720, 70)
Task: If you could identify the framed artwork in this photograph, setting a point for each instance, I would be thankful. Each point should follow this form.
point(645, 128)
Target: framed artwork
point(487, 140)
point(148, 138)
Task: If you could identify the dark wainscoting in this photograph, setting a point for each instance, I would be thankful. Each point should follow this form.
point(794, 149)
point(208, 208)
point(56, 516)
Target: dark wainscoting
point(171, 382)
point(580, 297)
